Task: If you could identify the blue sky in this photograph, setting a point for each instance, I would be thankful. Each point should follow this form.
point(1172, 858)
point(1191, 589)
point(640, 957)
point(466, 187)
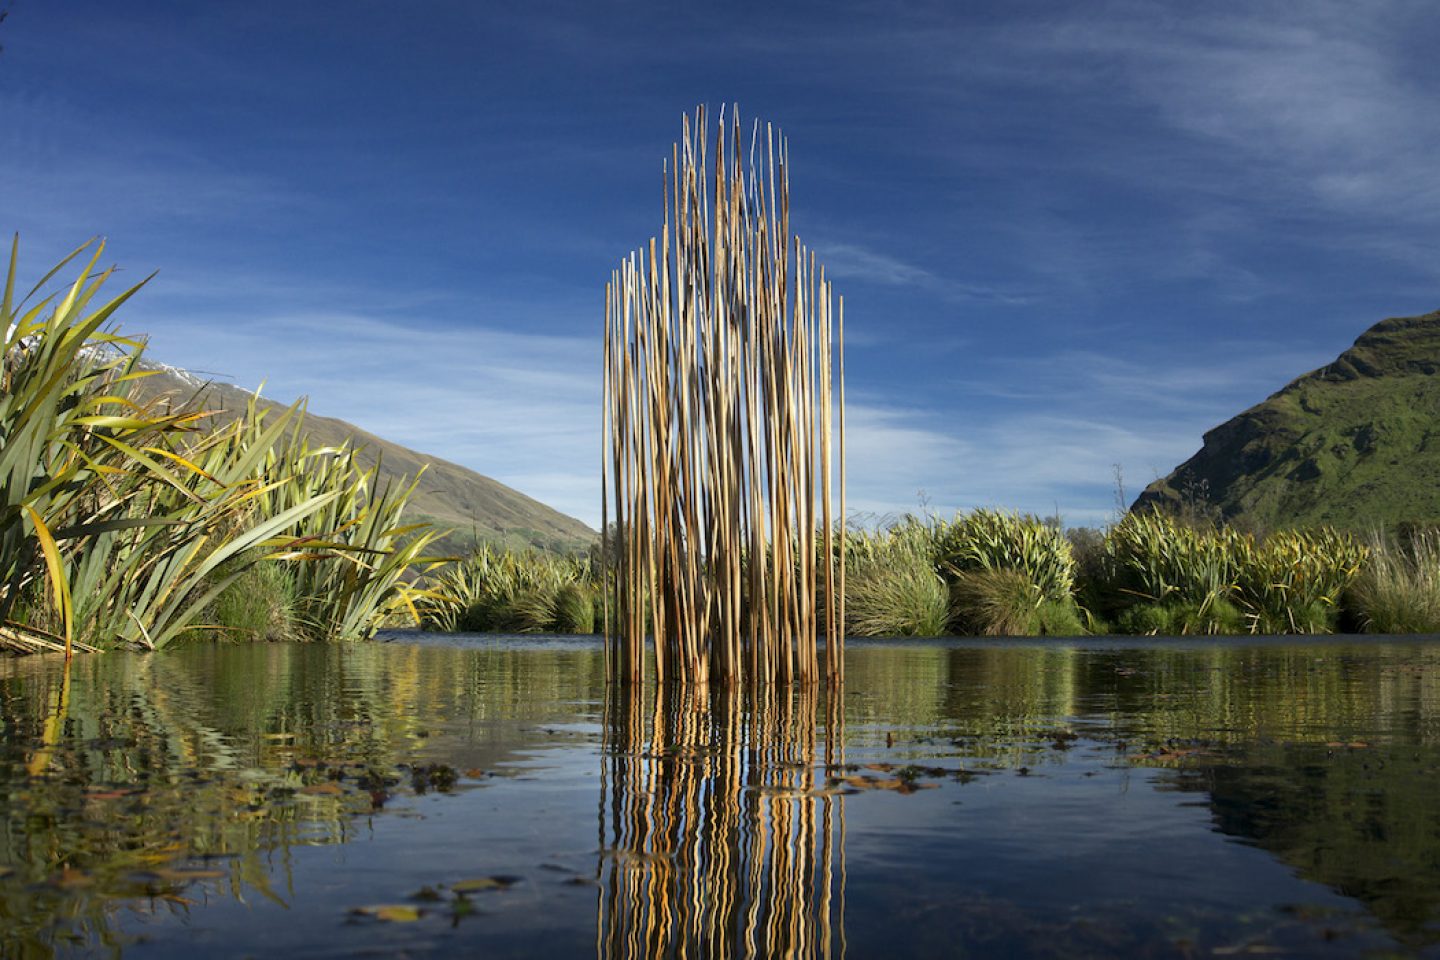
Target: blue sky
point(1069, 235)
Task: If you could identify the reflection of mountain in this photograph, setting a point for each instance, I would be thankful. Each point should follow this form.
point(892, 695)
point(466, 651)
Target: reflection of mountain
point(721, 838)
point(1360, 820)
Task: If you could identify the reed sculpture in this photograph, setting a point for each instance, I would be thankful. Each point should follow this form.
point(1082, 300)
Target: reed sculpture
point(724, 425)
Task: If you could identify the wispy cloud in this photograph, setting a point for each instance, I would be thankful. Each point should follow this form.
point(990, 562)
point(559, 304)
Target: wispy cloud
point(848, 261)
point(1317, 103)
point(520, 407)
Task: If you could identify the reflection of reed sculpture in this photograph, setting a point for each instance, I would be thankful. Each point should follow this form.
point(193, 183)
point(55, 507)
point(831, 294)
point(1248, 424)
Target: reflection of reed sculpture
point(722, 438)
point(720, 837)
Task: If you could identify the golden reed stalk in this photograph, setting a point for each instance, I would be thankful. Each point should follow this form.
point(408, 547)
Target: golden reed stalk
point(722, 355)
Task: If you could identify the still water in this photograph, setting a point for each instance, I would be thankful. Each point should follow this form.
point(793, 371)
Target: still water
point(477, 796)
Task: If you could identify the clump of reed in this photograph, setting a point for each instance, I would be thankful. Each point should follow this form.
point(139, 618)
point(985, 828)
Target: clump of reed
point(506, 591)
point(1398, 587)
point(723, 355)
point(123, 522)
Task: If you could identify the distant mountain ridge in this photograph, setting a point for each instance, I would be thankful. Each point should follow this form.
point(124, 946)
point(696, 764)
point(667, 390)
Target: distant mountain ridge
point(1354, 444)
point(478, 508)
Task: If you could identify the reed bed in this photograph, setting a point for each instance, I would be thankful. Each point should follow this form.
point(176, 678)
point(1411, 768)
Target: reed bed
point(723, 418)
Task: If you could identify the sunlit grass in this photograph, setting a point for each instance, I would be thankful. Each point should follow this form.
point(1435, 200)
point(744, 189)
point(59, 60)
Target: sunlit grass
point(1398, 589)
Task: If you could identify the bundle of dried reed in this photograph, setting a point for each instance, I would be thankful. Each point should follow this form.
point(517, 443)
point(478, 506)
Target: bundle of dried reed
point(724, 431)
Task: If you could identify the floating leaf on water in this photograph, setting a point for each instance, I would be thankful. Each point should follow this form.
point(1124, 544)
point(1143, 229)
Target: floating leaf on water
point(186, 874)
point(391, 912)
point(480, 884)
point(897, 784)
point(427, 895)
point(327, 789)
point(99, 793)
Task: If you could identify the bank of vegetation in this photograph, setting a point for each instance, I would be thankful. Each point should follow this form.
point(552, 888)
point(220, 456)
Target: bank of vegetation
point(127, 521)
point(990, 573)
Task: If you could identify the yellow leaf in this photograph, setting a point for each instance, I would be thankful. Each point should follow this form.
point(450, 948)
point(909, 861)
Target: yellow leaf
point(391, 912)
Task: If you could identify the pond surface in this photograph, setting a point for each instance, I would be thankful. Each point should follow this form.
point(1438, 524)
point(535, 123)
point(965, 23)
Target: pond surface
point(487, 797)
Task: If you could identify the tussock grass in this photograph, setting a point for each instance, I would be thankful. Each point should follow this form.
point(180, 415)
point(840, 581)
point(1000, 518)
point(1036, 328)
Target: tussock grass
point(907, 599)
point(503, 591)
point(259, 605)
point(893, 588)
point(1008, 603)
point(1398, 588)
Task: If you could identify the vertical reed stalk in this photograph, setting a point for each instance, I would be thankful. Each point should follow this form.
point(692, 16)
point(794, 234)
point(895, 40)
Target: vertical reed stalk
point(720, 372)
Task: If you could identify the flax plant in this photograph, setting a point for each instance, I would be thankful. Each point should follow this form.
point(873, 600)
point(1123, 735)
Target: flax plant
point(123, 523)
point(353, 553)
point(1295, 580)
point(1166, 577)
point(95, 499)
point(995, 540)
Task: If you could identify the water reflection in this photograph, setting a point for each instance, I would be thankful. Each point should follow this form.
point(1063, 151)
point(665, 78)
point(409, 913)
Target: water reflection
point(138, 786)
point(723, 832)
point(1132, 796)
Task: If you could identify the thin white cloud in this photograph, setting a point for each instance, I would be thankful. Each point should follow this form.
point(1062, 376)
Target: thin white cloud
point(1309, 101)
point(849, 261)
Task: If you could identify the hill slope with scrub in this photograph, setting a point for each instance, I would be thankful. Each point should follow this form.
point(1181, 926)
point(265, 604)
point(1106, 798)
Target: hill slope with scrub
point(1354, 444)
point(478, 509)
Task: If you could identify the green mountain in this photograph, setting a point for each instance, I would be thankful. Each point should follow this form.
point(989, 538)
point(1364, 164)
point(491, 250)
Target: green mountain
point(1355, 444)
point(477, 508)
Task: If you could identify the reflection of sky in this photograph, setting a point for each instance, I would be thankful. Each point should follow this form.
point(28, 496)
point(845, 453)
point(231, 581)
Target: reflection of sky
point(1070, 235)
point(1091, 844)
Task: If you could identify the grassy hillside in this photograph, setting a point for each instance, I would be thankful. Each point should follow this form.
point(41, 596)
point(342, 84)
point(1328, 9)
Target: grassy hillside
point(480, 510)
point(1354, 444)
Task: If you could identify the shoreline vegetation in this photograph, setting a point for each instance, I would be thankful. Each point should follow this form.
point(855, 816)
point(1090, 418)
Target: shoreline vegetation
point(994, 574)
point(130, 521)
